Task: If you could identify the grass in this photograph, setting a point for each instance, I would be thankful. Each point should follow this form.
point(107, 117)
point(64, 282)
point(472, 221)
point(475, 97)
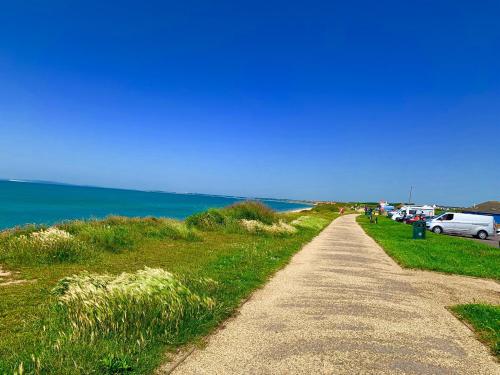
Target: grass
point(251, 211)
point(140, 288)
point(79, 240)
point(441, 253)
point(485, 319)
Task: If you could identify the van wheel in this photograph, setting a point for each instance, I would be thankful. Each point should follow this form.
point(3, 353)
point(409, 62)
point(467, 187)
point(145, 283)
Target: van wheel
point(482, 235)
point(437, 230)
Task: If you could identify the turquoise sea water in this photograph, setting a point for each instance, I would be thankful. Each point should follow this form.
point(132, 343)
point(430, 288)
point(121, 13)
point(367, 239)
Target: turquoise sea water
point(41, 203)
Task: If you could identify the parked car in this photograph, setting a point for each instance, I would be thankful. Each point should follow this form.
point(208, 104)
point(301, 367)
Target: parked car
point(406, 212)
point(415, 218)
point(480, 226)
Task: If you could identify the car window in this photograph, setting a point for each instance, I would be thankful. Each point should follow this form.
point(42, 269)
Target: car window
point(413, 212)
point(447, 217)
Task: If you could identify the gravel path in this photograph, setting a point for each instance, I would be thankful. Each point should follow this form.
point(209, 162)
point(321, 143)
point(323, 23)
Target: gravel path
point(342, 306)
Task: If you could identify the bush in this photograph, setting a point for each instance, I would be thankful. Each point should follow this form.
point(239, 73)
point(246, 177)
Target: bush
point(144, 303)
point(251, 210)
point(47, 246)
point(208, 220)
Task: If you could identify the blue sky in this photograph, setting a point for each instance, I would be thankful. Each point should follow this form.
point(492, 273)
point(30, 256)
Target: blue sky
point(332, 100)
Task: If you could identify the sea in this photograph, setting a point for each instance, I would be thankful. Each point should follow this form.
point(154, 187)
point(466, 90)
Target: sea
point(26, 202)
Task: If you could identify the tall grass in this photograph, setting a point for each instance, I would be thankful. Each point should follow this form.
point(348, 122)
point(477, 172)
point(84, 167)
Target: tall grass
point(249, 216)
point(209, 220)
point(117, 233)
point(251, 210)
point(45, 246)
point(140, 304)
point(79, 240)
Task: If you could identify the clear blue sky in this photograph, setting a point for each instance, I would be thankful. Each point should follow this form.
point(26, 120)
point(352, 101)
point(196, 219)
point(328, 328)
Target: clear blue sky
point(342, 100)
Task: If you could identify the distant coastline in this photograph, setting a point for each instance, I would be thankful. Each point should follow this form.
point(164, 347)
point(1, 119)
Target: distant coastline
point(239, 197)
point(43, 202)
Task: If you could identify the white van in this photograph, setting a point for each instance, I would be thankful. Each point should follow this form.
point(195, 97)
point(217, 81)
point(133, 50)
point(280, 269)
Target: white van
point(480, 226)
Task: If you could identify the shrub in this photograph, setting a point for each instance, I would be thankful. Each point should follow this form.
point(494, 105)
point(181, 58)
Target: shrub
point(251, 210)
point(48, 246)
point(143, 303)
point(208, 220)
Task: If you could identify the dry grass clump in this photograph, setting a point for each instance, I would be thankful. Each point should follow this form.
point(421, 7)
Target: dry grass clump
point(310, 222)
point(255, 226)
point(50, 245)
point(147, 302)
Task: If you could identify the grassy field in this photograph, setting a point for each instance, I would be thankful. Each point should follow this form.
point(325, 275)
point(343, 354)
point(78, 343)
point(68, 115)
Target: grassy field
point(112, 296)
point(485, 319)
point(437, 253)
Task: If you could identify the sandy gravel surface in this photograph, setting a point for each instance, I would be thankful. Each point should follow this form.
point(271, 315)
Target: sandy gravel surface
point(342, 306)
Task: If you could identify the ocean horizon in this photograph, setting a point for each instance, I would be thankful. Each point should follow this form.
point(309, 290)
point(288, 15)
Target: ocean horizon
point(39, 202)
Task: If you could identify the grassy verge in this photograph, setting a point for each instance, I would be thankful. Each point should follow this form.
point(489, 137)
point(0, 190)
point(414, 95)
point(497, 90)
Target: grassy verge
point(485, 319)
point(111, 296)
point(437, 253)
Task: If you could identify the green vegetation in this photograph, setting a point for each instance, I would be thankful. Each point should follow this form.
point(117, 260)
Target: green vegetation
point(79, 240)
point(437, 253)
point(485, 319)
point(135, 288)
point(251, 211)
point(310, 222)
point(130, 305)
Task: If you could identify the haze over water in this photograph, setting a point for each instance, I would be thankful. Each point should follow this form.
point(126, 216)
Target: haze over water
point(43, 203)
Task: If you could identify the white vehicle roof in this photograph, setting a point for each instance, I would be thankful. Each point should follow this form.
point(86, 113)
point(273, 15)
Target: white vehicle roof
point(471, 217)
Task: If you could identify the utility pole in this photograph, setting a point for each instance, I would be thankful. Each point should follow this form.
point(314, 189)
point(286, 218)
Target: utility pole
point(409, 198)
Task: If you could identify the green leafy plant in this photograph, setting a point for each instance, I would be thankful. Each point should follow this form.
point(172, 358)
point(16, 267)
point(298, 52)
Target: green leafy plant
point(115, 364)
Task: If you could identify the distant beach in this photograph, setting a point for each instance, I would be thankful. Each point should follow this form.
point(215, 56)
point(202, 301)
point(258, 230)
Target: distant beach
point(300, 209)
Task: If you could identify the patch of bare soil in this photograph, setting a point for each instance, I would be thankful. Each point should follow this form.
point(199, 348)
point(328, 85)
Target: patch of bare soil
point(7, 278)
